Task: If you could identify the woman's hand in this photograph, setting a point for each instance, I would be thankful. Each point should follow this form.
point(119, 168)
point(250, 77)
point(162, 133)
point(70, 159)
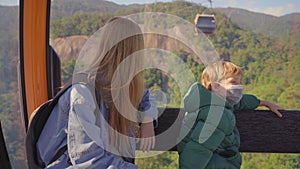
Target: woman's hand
point(146, 136)
point(272, 106)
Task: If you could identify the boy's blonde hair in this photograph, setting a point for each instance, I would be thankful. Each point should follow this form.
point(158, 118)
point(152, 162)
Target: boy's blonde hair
point(219, 71)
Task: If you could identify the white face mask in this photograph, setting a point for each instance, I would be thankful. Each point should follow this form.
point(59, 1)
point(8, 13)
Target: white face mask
point(234, 93)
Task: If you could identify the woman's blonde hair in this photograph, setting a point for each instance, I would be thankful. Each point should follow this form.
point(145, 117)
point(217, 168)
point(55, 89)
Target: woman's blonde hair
point(219, 71)
point(118, 107)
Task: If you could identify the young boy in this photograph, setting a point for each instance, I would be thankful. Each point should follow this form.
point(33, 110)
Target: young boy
point(210, 137)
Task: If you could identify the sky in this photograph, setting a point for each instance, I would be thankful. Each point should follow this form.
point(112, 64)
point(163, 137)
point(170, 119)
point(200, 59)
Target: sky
point(272, 7)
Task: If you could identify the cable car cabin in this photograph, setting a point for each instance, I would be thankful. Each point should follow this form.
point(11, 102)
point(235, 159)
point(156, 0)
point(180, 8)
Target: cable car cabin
point(39, 78)
point(206, 24)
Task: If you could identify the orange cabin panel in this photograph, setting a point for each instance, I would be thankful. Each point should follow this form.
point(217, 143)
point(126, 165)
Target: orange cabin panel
point(34, 45)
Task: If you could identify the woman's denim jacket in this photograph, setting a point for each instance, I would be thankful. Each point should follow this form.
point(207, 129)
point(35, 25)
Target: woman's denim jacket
point(73, 122)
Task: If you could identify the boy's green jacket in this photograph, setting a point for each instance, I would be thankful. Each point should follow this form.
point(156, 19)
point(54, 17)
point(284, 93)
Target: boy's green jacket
point(209, 137)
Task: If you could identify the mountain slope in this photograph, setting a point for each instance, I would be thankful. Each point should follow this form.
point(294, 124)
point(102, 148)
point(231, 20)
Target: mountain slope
point(262, 23)
point(64, 8)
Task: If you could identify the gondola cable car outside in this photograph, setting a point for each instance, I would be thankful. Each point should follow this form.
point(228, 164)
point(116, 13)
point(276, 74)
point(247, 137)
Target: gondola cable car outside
point(206, 23)
point(34, 58)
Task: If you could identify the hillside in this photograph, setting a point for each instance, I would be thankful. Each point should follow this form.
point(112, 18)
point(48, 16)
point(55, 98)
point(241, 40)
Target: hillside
point(68, 47)
point(65, 8)
point(261, 23)
point(256, 22)
point(9, 21)
point(9, 33)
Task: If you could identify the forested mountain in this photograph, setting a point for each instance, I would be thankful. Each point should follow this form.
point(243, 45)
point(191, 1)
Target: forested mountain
point(256, 22)
point(262, 23)
point(248, 39)
point(64, 8)
point(8, 43)
point(9, 102)
point(255, 52)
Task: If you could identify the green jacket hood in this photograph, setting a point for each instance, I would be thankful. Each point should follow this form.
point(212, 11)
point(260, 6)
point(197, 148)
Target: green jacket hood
point(198, 96)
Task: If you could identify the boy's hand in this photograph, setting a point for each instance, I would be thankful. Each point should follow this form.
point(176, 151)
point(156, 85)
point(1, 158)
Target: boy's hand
point(147, 136)
point(272, 106)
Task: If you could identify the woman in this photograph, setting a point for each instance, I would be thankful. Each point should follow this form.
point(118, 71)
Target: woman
point(100, 133)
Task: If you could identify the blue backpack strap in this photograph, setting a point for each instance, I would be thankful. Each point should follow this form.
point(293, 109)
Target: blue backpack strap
point(36, 124)
point(38, 120)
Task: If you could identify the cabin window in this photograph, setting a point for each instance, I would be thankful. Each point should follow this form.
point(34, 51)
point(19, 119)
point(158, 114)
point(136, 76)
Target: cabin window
point(11, 116)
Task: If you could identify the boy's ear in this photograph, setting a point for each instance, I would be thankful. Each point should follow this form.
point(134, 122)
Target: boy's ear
point(215, 85)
